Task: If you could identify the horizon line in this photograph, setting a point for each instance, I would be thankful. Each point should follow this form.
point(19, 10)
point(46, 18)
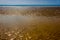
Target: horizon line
point(29, 4)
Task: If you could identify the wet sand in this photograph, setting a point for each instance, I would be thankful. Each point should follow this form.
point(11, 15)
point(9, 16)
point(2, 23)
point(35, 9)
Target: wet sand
point(29, 27)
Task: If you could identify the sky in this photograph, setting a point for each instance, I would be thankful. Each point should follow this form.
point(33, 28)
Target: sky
point(41, 2)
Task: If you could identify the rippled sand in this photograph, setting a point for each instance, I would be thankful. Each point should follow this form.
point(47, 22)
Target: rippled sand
point(29, 28)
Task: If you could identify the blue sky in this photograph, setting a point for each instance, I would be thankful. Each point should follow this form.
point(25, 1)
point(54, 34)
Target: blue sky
point(41, 2)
